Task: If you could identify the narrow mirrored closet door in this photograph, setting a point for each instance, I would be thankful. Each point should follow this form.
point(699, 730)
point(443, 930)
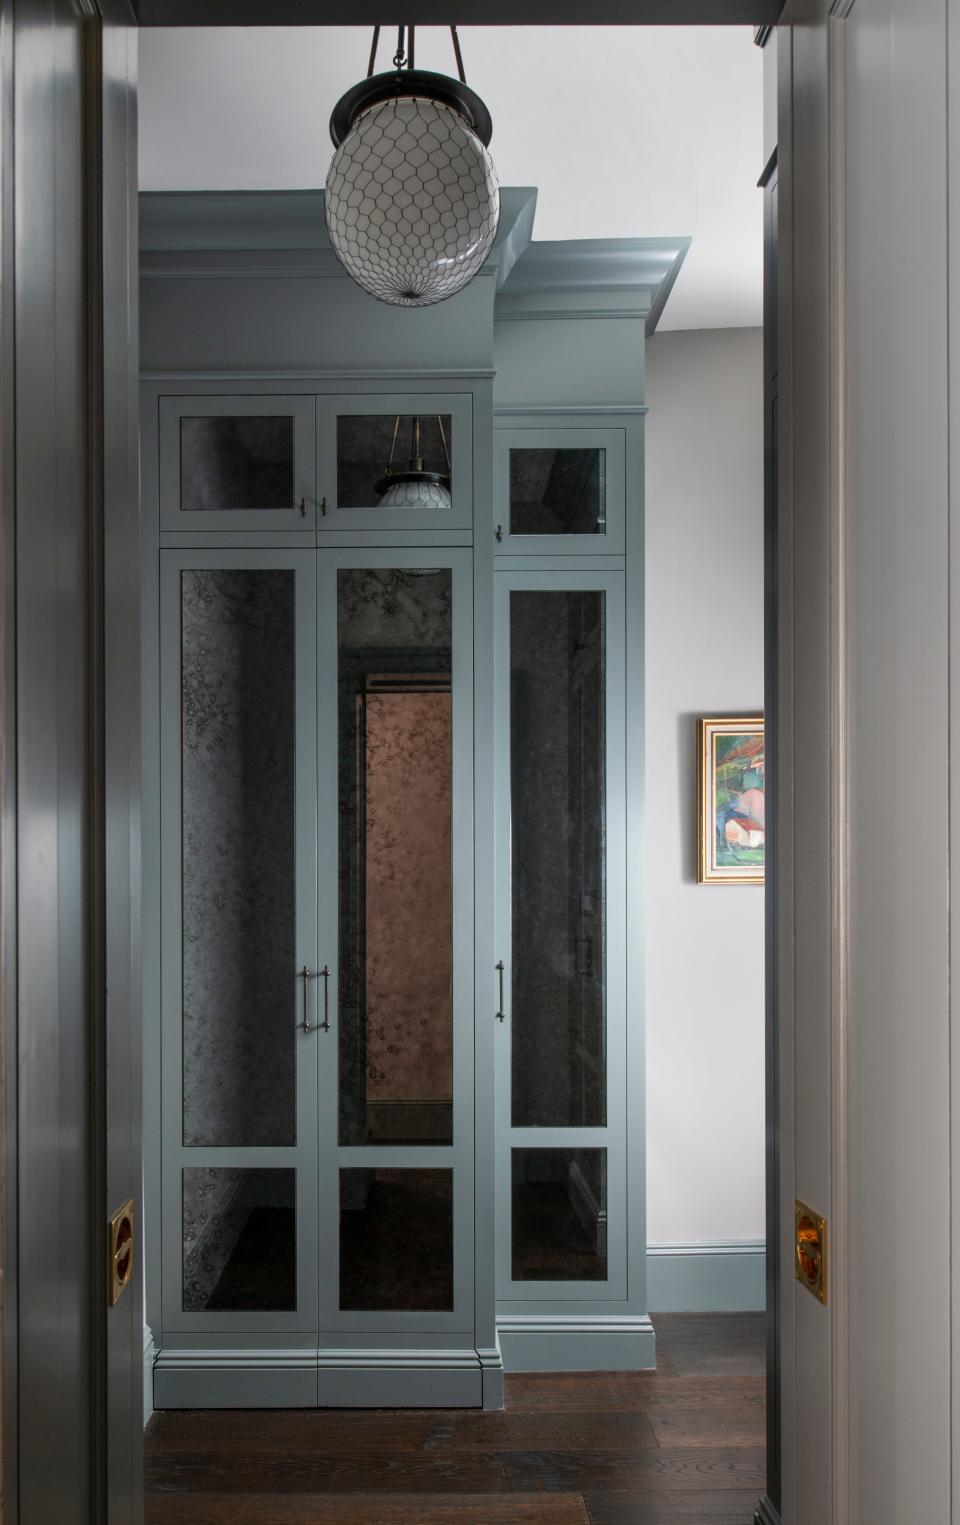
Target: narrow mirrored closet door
point(239, 812)
point(396, 913)
point(561, 912)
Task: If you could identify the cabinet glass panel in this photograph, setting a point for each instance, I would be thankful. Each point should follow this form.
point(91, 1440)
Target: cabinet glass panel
point(398, 461)
point(236, 463)
point(239, 1240)
point(237, 771)
point(396, 1240)
point(558, 858)
point(559, 1214)
point(395, 881)
point(558, 491)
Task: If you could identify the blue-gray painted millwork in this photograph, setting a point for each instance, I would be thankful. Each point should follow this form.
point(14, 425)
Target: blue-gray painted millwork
point(246, 313)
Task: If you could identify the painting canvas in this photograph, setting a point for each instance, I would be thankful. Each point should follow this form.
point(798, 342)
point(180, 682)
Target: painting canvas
point(732, 832)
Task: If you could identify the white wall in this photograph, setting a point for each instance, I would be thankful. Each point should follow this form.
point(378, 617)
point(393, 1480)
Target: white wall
point(705, 944)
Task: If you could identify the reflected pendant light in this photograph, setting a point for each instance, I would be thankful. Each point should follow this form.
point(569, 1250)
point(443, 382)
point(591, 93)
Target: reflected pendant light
point(412, 200)
point(415, 487)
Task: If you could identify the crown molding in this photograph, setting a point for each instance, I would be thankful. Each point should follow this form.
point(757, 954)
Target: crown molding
point(215, 235)
point(209, 234)
point(593, 278)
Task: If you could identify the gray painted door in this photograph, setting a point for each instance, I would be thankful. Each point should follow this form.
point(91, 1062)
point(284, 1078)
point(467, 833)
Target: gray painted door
point(72, 1370)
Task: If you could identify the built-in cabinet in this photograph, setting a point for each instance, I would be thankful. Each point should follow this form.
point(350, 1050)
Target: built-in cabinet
point(393, 834)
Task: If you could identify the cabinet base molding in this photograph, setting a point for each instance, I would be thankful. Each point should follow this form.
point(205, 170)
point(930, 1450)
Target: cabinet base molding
point(576, 1342)
point(328, 1378)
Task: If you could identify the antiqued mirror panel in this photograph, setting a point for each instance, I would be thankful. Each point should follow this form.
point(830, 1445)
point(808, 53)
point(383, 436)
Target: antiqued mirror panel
point(396, 1240)
point(239, 1240)
point(236, 463)
point(395, 760)
point(558, 872)
point(399, 461)
point(238, 735)
point(558, 491)
point(559, 1214)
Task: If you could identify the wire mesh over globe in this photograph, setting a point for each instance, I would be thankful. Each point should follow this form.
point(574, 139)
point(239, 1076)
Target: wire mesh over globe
point(412, 202)
point(416, 495)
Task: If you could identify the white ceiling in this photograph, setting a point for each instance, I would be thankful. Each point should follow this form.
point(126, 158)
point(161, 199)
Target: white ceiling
point(626, 131)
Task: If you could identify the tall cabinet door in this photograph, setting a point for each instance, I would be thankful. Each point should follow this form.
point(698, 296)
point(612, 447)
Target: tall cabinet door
point(396, 929)
point(240, 992)
point(561, 933)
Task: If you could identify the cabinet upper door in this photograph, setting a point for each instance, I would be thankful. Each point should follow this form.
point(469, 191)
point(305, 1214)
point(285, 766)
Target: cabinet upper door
point(237, 463)
point(560, 490)
point(395, 462)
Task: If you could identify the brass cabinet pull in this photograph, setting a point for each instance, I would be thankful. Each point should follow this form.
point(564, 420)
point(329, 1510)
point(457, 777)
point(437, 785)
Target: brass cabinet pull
point(303, 508)
point(501, 1014)
point(306, 977)
point(325, 976)
point(323, 507)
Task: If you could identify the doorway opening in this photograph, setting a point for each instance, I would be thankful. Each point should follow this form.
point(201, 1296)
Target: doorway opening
point(530, 1117)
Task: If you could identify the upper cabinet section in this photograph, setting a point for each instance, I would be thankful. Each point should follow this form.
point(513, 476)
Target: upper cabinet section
point(560, 490)
point(396, 462)
point(237, 463)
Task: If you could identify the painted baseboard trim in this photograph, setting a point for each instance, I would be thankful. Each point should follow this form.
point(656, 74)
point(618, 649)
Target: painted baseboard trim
point(766, 1514)
point(576, 1342)
point(149, 1356)
point(711, 1276)
point(331, 1378)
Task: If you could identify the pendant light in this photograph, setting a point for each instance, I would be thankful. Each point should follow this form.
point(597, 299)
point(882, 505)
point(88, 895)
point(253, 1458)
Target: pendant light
point(412, 200)
point(415, 487)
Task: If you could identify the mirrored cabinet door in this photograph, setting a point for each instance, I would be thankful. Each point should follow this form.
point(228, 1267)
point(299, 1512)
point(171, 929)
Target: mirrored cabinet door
point(561, 885)
point(239, 805)
point(396, 903)
point(238, 463)
point(396, 462)
point(559, 490)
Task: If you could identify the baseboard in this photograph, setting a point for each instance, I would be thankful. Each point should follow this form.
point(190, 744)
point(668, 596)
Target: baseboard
point(328, 1378)
point(491, 1368)
point(722, 1276)
point(149, 1353)
point(576, 1342)
point(766, 1514)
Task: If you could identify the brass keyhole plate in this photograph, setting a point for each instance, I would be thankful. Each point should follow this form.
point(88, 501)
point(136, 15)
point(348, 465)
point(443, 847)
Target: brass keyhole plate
point(120, 1250)
point(811, 1250)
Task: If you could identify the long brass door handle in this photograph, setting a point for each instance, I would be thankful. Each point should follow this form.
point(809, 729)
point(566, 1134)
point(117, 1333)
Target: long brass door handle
point(501, 1014)
point(325, 976)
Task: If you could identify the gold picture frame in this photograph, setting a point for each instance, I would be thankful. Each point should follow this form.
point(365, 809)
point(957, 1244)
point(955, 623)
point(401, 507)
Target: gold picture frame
point(731, 830)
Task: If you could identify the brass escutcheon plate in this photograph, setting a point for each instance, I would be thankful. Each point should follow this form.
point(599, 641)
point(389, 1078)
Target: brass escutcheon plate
point(810, 1261)
point(120, 1251)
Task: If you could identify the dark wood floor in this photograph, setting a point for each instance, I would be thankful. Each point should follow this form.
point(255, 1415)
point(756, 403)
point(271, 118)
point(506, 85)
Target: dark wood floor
point(683, 1443)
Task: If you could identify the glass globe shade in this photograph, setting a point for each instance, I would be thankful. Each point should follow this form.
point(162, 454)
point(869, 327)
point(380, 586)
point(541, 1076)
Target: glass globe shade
point(412, 202)
point(415, 495)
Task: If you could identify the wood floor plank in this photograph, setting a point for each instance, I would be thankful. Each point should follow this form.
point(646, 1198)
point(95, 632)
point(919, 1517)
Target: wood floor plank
point(724, 1508)
point(365, 1509)
point(628, 1391)
point(298, 1471)
point(371, 1432)
point(705, 1344)
point(733, 1426)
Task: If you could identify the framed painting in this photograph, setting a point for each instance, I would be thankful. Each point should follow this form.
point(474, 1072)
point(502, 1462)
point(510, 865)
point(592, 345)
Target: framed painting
point(731, 832)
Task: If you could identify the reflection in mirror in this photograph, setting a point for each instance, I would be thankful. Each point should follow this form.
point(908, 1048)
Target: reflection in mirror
point(238, 827)
point(228, 463)
point(239, 1240)
point(396, 897)
point(559, 1218)
point(557, 492)
point(396, 1240)
point(368, 444)
point(558, 873)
